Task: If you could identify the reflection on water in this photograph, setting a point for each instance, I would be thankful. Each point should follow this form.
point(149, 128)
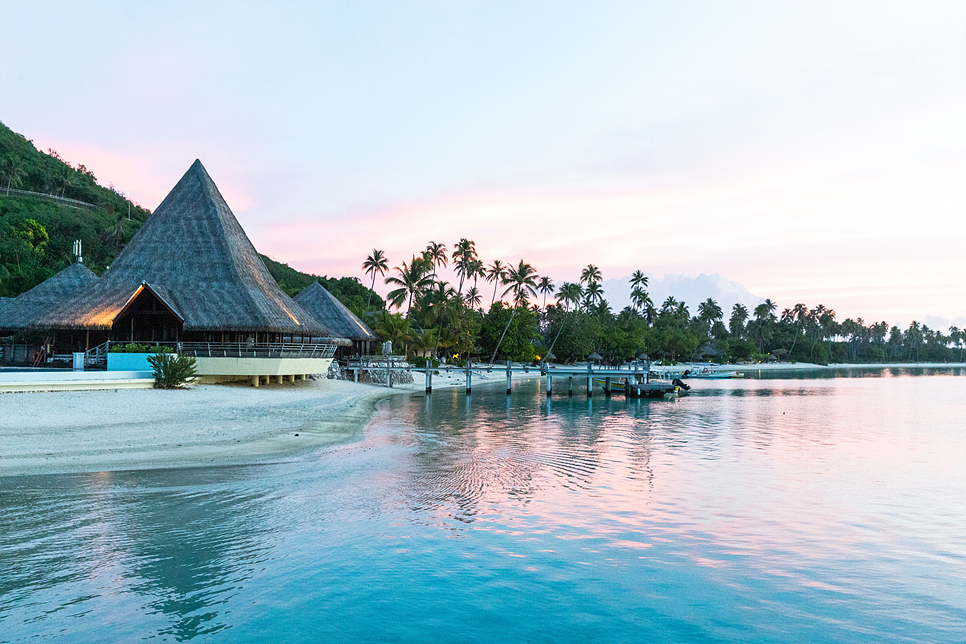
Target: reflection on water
point(805, 509)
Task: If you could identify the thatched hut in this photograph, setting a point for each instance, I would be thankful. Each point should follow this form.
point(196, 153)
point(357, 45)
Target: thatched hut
point(19, 313)
point(318, 301)
point(190, 274)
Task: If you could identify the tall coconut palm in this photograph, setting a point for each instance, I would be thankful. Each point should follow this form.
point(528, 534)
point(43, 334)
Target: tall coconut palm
point(473, 298)
point(739, 314)
point(545, 286)
point(463, 257)
point(638, 280)
point(669, 303)
point(439, 308)
point(593, 295)
point(709, 311)
point(436, 253)
point(413, 280)
point(522, 284)
point(375, 264)
point(12, 173)
point(495, 273)
point(590, 275)
point(570, 294)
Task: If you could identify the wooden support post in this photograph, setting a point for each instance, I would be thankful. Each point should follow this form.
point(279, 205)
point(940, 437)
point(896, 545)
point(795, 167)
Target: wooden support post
point(508, 388)
point(469, 376)
point(607, 386)
point(429, 380)
point(254, 381)
point(590, 381)
point(355, 374)
point(549, 385)
point(279, 379)
point(388, 373)
point(570, 386)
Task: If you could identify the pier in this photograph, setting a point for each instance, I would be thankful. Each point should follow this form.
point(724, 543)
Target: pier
point(631, 381)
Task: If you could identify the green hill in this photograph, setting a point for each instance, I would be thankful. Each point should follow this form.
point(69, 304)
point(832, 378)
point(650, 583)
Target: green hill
point(37, 231)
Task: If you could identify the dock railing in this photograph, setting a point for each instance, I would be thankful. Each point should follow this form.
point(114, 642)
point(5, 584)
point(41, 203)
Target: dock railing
point(96, 358)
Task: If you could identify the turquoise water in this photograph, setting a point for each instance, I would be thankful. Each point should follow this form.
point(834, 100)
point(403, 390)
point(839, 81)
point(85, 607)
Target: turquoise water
point(774, 510)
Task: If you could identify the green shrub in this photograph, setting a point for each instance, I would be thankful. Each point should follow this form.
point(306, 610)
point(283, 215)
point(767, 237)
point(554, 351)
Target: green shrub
point(134, 347)
point(420, 362)
point(171, 371)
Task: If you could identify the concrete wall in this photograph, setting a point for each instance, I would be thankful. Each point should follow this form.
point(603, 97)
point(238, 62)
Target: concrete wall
point(239, 368)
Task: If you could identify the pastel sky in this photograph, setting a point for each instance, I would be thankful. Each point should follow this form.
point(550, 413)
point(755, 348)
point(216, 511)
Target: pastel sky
point(813, 152)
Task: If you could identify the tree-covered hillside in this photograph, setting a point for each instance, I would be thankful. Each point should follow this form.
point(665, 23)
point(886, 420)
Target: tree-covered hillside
point(37, 232)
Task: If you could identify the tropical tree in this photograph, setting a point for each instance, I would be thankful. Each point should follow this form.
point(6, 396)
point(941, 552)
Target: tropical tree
point(412, 281)
point(545, 286)
point(593, 295)
point(395, 328)
point(522, 285)
point(436, 254)
point(375, 264)
point(473, 298)
point(709, 312)
point(739, 314)
point(669, 304)
point(464, 254)
point(522, 282)
point(570, 293)
point(590, 275)
point(495, 273)
point(12, 173)
point(638, 280)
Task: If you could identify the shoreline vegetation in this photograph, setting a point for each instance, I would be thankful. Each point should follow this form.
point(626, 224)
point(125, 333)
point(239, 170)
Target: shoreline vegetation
point(219, 425)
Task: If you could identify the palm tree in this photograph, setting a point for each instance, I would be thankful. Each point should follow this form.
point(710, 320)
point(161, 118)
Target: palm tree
point(476, 271)
point(590, 275)
point(436, 254)
point(522, 285)
point(463, 256)
point(393, 327)
point(439, 307)
point(495, 273)
point(739, 314)
point(413, 280)
point(593, 295)
point(638, 280)
point(521, 282)
point(669, 304)
point(13, 172)
point(545, 286)
point(709, 311)
point(375, 263)
point(473, 298)
point(570, 293)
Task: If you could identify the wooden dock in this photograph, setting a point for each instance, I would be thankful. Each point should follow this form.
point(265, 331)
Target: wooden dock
point(633, 382)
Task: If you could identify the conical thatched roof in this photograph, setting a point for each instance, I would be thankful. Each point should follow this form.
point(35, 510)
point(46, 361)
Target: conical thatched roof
point(193, 249)
point(23, 310)
point(333, 313)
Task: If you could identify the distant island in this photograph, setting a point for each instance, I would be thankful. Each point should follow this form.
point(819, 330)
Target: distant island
point(46, 204)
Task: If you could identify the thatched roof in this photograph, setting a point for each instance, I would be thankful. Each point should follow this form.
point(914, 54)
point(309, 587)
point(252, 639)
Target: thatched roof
point(22, 311)
point(332, 313)
point(194, 250)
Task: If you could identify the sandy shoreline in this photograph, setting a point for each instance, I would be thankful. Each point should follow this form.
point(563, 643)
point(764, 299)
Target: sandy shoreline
point(92, 431)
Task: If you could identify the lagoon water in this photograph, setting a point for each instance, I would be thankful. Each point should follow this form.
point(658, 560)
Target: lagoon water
point(797, 509)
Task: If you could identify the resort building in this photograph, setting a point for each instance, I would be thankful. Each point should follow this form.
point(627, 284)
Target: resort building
point(326, 308)
point(190, 278)
point(18, 314)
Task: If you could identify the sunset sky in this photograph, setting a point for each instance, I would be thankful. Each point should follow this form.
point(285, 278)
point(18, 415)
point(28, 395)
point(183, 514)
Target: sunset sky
point(812, 152)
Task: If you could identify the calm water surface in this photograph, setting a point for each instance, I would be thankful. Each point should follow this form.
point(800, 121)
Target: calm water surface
point(774, 510)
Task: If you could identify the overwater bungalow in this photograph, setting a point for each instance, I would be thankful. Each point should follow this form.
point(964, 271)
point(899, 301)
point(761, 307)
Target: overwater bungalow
point(191, 278)
point(318, 301)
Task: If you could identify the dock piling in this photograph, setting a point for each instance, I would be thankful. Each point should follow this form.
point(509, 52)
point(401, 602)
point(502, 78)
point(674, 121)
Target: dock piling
point(508, 378)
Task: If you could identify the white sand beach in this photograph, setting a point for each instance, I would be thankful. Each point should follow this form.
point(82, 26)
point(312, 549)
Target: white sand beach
point(92, 431)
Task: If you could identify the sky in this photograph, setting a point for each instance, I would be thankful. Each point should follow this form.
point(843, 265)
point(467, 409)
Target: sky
point(809, 152)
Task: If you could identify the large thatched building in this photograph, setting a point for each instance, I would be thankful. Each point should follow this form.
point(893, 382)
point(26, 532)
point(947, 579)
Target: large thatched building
point(318, 301)
point(189, 276)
